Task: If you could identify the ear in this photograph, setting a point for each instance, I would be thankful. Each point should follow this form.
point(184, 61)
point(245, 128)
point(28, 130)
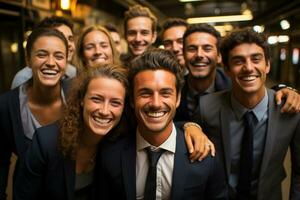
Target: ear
point(178, 99)
point(154, 36)
point(81, 103)
point(219, 58)
point(268, 67)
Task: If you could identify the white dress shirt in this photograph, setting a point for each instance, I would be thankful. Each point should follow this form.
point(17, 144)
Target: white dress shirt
point(165, 166)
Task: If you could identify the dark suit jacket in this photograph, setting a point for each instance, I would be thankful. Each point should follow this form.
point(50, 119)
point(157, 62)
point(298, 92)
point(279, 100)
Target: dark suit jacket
point(117, 180)
point(12, 138)
point(222, 82)
point(44, 173)
point(283, 130)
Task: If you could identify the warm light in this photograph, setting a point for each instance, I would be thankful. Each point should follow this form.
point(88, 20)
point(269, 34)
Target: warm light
point(65, 4)
point(258, 29)
point(295, 57)
point(272, 39)
point(189, 0)
point(24, 44)
point(228, 18)
point(284, 24)
point(224, 29)
point(14, 47)
point(282, 54)
point(283, 38)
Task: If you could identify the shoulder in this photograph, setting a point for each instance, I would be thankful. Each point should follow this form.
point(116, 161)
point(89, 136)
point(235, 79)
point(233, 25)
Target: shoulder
point(9, 96)
point(109, 147)
point(214, 98)
point(222, 81)
point(21, 77)
point(47, 136)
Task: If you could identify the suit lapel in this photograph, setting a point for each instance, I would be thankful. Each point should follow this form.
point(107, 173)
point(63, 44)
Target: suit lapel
point(181, 162)
point(128, 168)
point(273, 116)
point(225, 114)
point(69, 173)
point(14, 107)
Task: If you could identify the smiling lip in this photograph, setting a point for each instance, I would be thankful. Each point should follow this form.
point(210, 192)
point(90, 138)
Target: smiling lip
point(101, 120)
point(248, 78)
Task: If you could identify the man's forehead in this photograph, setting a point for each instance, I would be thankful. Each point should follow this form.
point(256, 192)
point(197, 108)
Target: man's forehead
point(246, 49)
point(140, 22)
point(200, 37)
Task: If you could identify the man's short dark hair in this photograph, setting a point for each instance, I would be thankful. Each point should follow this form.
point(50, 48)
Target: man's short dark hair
point(139, 11)
point(54, 22)
point(157, 59)
point(241, 36)
point(172, 22)
point(203, 28)
point(111, 28)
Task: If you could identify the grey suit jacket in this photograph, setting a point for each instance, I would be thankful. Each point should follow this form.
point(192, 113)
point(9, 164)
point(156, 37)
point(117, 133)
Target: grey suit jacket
point(283, 131)
point(199, 180)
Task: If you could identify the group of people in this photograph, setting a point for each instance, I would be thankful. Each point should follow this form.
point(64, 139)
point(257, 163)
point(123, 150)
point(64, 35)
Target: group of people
point(106, 129)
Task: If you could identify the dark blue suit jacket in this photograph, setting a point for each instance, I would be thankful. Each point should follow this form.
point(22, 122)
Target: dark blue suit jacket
point(44, 173)
point(222, 82)
point(12, 138)
point(199, 180)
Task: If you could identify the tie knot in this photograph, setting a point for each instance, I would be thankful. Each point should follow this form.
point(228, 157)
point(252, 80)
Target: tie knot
point(249, 118)
point(154, 156)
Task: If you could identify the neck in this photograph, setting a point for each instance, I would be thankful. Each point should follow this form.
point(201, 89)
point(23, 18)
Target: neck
point(249, 100)
point(90, 140)
point(201, 84)
point(156, 138)
point(44, 95)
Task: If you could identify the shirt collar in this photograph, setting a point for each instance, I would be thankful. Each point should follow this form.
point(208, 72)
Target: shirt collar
point(259, 110)
point(209, 90)
point(169, 144)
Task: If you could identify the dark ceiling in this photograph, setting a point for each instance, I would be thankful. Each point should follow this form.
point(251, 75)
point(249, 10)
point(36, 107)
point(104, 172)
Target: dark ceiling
point(265, 12)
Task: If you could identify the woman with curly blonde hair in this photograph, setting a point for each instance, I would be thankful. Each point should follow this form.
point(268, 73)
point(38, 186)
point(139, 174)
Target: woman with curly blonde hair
point(95, 46)
point(60, 163)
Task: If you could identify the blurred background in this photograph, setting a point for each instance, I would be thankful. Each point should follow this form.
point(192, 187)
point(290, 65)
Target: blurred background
point(276, 18)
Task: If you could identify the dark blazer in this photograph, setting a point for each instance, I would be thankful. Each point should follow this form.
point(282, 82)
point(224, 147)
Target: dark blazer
point(283, 131)
point(117, 179)
point(44, 173)
point(12, 138)
point(222, 82)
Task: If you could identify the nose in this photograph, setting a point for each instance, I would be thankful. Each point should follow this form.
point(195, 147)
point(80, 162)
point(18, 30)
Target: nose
point(138, 37)
point(200, 52)
point(176, 47)
point(104, 109)
point(155, 101)
point(98, 49)
point(248, 65)
point(50, 61)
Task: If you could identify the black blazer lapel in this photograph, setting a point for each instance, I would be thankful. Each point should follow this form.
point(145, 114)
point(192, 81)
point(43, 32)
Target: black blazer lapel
point(181, 162)
point(273, 116)
point(128, 168)
point(69, 173)
point(14, 111)
point(225, 114)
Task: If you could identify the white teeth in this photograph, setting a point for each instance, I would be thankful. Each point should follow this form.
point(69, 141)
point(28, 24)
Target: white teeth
point(49, 72)
point(155, 114)
point(200, 64)
point(248, 78)
point(101, 120)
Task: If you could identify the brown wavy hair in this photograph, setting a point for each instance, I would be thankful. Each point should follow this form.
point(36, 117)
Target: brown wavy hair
point(79, 59)
point(72, 123)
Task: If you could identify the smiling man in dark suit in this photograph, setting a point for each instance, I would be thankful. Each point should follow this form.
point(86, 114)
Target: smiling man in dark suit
point(246, 125)
point(157, 79)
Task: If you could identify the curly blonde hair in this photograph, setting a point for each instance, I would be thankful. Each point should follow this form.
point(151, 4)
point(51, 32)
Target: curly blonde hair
point(79, 59)
point(72, 123)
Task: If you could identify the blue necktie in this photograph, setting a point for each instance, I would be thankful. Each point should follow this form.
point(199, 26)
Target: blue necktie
point(150, 186)
point(246, 160)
